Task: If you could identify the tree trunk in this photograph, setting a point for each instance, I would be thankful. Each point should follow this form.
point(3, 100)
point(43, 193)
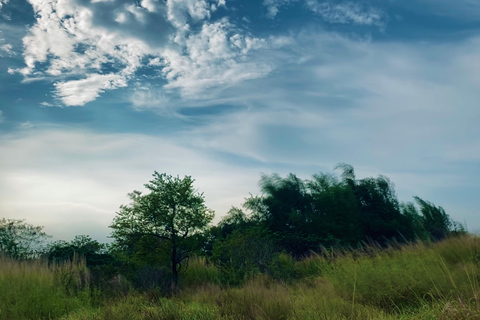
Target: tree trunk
point(174, 268)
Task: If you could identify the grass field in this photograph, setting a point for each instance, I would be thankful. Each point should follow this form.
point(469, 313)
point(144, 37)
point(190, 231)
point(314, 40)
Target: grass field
point(416, 281)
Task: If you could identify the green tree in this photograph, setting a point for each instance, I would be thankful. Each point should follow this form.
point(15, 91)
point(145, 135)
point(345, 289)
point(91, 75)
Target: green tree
point(20, 240)
point(435, 220)
point(95, 253)
point(336, 210)
point(171, 212)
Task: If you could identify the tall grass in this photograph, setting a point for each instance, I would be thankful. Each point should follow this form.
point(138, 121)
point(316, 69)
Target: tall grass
point(411, 276)
point(415, 281)
point(199, 273)
point(35, 290)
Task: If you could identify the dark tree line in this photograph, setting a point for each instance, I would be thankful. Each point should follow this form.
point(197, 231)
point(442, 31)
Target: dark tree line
point(302, 215)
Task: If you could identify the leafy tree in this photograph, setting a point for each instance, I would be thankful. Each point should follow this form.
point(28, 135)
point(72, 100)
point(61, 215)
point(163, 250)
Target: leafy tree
point(336, 210)
point(95, 253)
point(287, 200)
point(435, 220)
point(20, 240)
point(171, 212)
point(235, 219)
point(380, 209)
point(417, 223)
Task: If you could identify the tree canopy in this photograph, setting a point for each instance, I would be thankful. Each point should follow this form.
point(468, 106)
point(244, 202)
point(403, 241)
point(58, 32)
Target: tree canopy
point(325, 210)
point(168, 215)
point(20, 240)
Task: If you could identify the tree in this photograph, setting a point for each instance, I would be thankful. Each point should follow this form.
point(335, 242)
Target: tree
point(94, 252)
point(18, 239)
point(336, 211)
point(435, 220)
point(171, 212)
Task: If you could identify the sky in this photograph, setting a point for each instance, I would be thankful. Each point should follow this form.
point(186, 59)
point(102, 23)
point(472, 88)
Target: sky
point(96, 95)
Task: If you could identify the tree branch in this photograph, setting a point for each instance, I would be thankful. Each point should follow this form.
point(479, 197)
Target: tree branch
point(141, 234)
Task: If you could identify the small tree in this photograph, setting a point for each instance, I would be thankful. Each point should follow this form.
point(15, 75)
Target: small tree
point(20, 240)
point(171, 211)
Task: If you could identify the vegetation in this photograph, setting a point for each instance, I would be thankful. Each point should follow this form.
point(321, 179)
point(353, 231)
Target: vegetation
point(413, 281)
point(165, 218)
point(20, 240)
point(324, 248)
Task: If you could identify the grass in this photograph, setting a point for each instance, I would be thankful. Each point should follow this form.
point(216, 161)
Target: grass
point(416, 281)
point(35, 290)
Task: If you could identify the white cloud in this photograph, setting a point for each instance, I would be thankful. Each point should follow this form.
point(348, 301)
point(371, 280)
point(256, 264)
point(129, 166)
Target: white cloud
point(214, 58)
point(2, 3)
point(148, 98)
point(179, 12)
point(62, 28)
point(68, 39)
point(2, 118)
point(79, 92)
point(150, 5)
point(136, 11)
point(121, 17)
point(346, 12)
point(273, 6)
point(7, 48)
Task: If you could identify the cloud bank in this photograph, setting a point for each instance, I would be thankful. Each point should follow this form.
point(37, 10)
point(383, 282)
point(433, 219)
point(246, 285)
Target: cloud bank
point(91, 47)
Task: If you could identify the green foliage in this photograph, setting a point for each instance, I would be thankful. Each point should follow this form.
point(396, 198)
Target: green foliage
point(92, 251)
point(326, 211)
point(336, 209)
point(162, 219)
point(20, 240)
point(435, 220)
point(244, 253)
point(282, 268)
point(200, 272)
point(380, 210)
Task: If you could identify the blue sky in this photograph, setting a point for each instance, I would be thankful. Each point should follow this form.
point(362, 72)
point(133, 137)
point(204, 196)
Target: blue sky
point(97, 94)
